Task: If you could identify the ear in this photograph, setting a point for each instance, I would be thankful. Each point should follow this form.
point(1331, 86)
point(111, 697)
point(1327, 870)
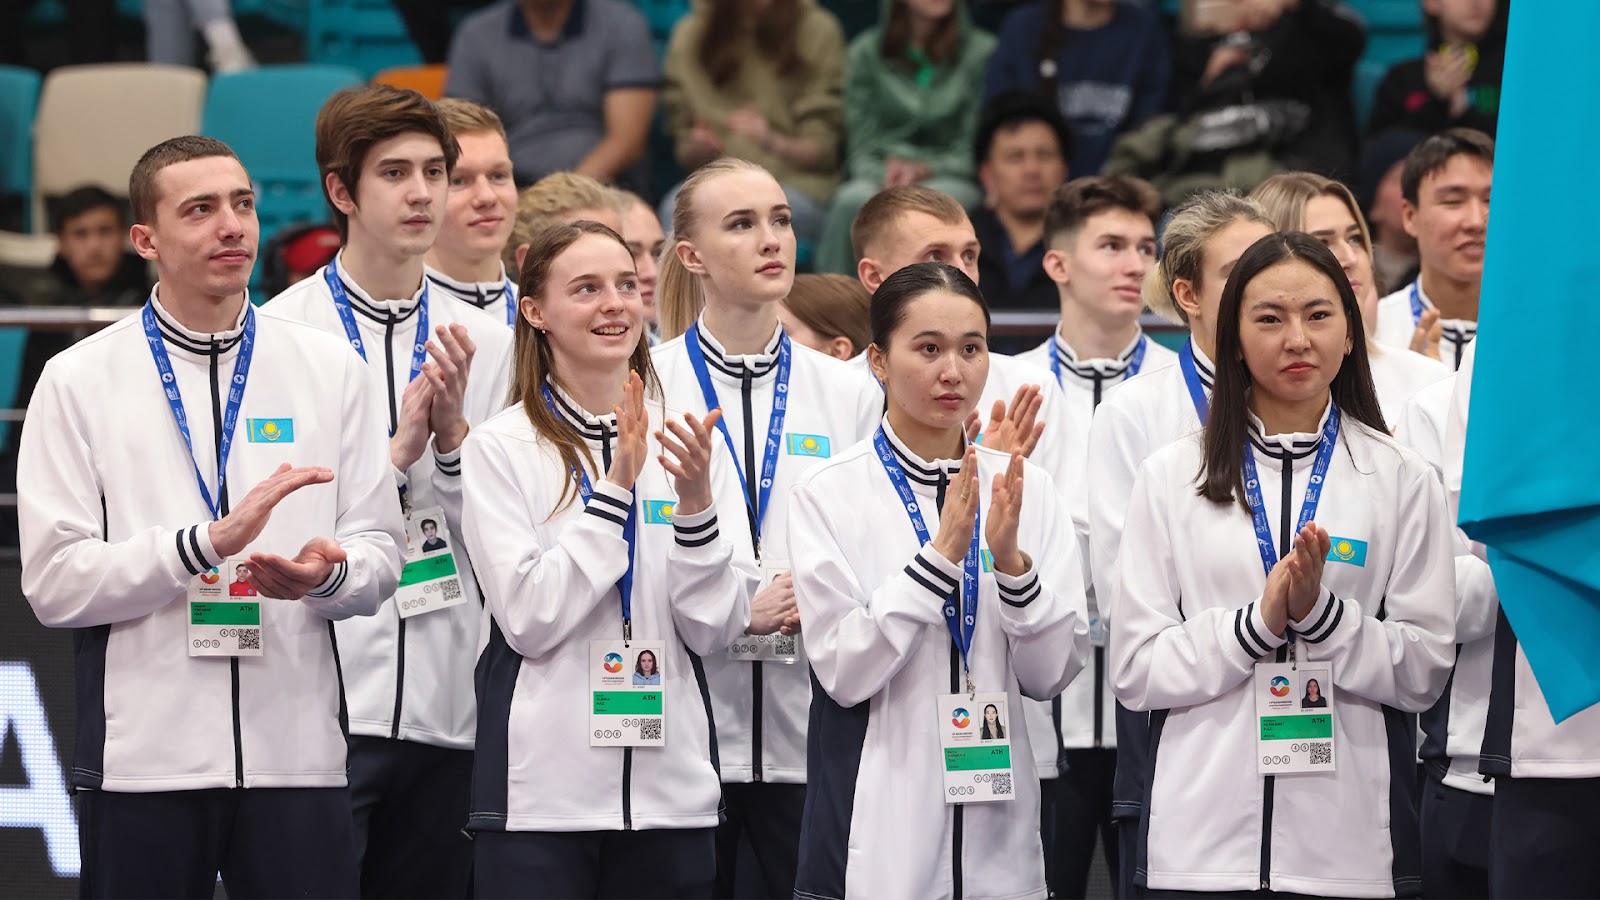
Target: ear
point(1058, 266)
point(1188, 300)
point(144, 241)
point(339, 195)
point(531, 312)
point(878, 360)
point(522, 254)
point(841, 348)
point(986, 179)
point(870, 274)
point(1408, 217)
point(689, 257)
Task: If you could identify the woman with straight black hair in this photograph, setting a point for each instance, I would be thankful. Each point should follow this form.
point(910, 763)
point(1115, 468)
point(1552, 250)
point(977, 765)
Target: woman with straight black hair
point(915, 626)
point(1291, 537)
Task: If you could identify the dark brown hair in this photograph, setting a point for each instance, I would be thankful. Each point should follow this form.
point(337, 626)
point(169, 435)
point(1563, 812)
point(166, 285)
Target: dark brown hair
point(892, 297)
point(732, 31)
point(1080, 199)
point(887, 206)
point(1436, 152)
point(356, 118)
point(534, 361)
point(833, 306)
point(1226, 431)
point(143, 195)
point(942, 43)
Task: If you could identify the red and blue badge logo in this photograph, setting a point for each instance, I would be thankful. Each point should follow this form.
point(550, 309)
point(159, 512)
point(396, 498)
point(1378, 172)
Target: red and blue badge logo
point(1279, 686)
point(613, 663)
point(959, 718)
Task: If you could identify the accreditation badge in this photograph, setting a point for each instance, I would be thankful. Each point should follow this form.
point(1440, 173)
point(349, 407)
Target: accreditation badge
point(1294, 718)
point(975, 738)
point(783, 649)
point(627, 703)
point(224, 612)
point(429, 582)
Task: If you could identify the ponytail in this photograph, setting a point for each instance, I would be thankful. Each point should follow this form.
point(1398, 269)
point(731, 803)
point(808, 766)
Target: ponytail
point(680, 296)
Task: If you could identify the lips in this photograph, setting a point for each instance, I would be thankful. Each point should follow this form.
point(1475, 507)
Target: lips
point(613, 330)
point(486, 222)
point(772, 268)
point(232, 256)
point(949, 400)
point(419, 220)
point(1299, 368)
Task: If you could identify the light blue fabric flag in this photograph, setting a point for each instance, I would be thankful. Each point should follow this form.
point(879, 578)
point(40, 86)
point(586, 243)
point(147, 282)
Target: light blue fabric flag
point(1531, 477)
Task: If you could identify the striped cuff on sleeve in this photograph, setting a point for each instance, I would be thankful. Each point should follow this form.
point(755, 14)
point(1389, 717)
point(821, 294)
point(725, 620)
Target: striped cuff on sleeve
point(336, 578)
point(695, 530)
point(1252, 631)
point(933, 572)
point(1321, 621)
point(195, 550)
point(1018, 592)
point(611, 503)
point(448, 463)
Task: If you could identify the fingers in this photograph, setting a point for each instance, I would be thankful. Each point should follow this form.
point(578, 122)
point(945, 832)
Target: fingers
point(266, 578)
point(997, 413)
point(1032, 442)
point(974, 426)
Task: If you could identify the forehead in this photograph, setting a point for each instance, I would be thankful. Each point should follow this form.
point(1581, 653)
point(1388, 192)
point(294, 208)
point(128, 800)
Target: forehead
point(642, 224)
point(592, 254)
point(739, 189)
point(941, 311)
point(1024, 135)
point(94, 216)
point(412, 146)
point(1294, 281)
point(1460, 171)
point(605, 215)
point(481, 148)
point(914, 229)
point(1327, 211)
point(1119, 221)
point(1230, 243)
point(221, 175)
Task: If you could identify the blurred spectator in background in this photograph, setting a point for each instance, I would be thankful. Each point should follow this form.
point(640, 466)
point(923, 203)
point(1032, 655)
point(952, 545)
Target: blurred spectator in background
point(169, 27)
point(560, 197)
point(1021, 149)
point(574, 81)
point(1104, 62)
point(828, 313)
point(641, 231)
point(1457, 82)
point(910, 112)
point(94, 264)
point(429, 24)
point(1394, 250)
point(760, 80)
point(90, 30)
point(295, 254)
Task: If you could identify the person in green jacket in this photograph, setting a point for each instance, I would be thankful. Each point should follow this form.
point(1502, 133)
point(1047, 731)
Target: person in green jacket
point(912, 96)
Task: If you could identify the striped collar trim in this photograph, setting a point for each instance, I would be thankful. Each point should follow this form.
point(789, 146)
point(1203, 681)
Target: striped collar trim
point(1097, 368)
point(1290, 445)
point(756, 364)
point(383, 312)
point(477, 293)
point(920, 471)
point(595, 430)
point(195, 342)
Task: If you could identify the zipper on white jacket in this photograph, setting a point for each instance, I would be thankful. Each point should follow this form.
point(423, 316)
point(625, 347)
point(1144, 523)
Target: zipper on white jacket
point(958, 815)
point(222, 509)
point(1286, 504)
point(751, 482)
point(400, 636)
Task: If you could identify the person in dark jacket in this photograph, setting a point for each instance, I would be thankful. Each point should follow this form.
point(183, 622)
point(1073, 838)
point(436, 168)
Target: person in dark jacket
point(1456, 83)
point(1022, 149)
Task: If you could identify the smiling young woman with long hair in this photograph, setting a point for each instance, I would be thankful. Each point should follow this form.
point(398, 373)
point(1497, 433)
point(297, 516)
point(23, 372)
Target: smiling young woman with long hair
point(1292, 532)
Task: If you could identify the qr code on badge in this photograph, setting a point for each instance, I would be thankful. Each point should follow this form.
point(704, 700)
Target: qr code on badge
point(1001, 785)
point(1321, 753)
point(784, 645)
point(249, 639)
point(450, 590)
point(650, 729)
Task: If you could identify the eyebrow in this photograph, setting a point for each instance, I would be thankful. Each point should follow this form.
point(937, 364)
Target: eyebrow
point(1279, 306)
point(399, 161)
point(235, 194)
point(782, 207)
point(939, 334)
point(594, 276)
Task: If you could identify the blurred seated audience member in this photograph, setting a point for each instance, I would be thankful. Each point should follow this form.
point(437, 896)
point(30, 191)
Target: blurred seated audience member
point(1394, 251)
point(574, 81)
point(1456, 83)
point(1021, 151)
point(759, 80)
point(169, 27)
point(1105, 62)
point(431, 23)
point(828, 313)
point(641, 231)
point(295, 254)
point(910, 112)
point(94, 265)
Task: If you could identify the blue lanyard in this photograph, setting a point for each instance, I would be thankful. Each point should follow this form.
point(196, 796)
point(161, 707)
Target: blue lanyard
point(585, 491)
point(780, 408)
point(1191, 377)
point(1416, 302)
point(230, 418)
point(1134, 361)
point(341, 302)
point(1308, 507)
point(511, 304)
point(960, 629)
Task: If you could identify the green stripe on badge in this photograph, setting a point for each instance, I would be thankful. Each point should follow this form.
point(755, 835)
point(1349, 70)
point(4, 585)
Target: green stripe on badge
point(969, 759)
point(627, 703)
point(1296, 728)
point(418, 571)
point(225, 614)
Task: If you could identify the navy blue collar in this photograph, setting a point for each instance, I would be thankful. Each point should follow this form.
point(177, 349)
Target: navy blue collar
point(569, 29)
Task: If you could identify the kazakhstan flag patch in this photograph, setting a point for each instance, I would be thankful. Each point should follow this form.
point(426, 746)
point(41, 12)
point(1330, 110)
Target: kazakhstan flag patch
point(808, 445)
point(271, 431)
point(1347, 550)
point(658, 512)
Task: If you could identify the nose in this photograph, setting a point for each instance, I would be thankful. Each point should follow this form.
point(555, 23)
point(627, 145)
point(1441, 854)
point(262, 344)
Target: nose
point(230, 225)
point(1294, 336)
point(1346, 256)
point(950, 368)
point(1478, 214)
point(482, 194)
point(417, 190)
point(771, 240)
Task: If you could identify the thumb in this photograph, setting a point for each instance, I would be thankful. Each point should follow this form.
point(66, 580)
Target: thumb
point(326, 548)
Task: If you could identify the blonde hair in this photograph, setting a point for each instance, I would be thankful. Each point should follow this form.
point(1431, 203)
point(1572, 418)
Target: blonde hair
point(679, 295)
point(551, 201)
point(1183, 245)
point(466, 117)
point(883, 212)
point(833, 306)
point(1283, 198)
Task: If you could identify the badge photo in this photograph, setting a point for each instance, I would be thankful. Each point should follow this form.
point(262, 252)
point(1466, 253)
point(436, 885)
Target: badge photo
point(430, 580)
point(975, 738)
point(627, 701)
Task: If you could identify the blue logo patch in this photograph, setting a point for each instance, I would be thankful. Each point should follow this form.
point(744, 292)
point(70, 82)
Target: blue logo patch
point(1347, 550)
point(271, 431)
point(658, 512)
point(808, 445)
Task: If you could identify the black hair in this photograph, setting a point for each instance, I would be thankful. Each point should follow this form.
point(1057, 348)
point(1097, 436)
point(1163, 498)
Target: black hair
point(1007, 111)
point(898, 290)
point(83, 200)
point(1221, 470)
point(999, 726)
point(1436, 152)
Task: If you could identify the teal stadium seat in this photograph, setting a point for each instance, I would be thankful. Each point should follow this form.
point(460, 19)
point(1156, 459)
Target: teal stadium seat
point(268, 117)
point(1395, 32)
point(366, 35)
point(12, 341)
point(19, 100)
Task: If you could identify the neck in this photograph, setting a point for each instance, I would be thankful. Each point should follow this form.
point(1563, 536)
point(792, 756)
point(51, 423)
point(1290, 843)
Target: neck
point(1280, 416)
point(545, 17)
point(383, 275)
point(1203, 338)
point(198, 311)
point(1095, 337)
point(462, 268)
point(1086, 14)
point(1454, 36)
point(596, 388)
point(925, 441)
point(1454, 299)
point(741, 330)
point(1023, 230)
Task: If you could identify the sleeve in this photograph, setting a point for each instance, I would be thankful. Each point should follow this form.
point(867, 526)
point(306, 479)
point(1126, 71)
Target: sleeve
point(72, 576)
point(632, 61)
point(713, 575)
point(1477, 601)
point(1159, 657)
point(866, 140)
point(857, 641)
point(818, 103)
point(1116, 448)
point(537, 589)
point(1401, 655)
point(469, 75)
point(369, 526)
point(1388, 101)
point(1044, 613)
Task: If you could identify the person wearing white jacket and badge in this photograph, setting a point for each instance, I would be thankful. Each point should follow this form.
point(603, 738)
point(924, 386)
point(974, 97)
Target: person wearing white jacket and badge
point(607, 576)
point(158, 458)
point(1291, 541)
point(913, 632)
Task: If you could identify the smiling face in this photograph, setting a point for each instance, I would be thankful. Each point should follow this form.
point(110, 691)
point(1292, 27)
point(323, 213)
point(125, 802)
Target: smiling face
point(918, 237)
point(642, 230)
point(481, 201)
point(1330, 221)
point(204, 231)
point(742, 244)
point(1451, 217)
point(936, 361)
point(1293, 334)
point(590, 310)
point(1103, 266)
point(400, 198)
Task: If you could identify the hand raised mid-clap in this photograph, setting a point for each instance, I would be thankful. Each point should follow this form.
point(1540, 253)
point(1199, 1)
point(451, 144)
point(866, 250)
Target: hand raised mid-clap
point(688, 459)
point(1004, 513)
point(633, 429)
